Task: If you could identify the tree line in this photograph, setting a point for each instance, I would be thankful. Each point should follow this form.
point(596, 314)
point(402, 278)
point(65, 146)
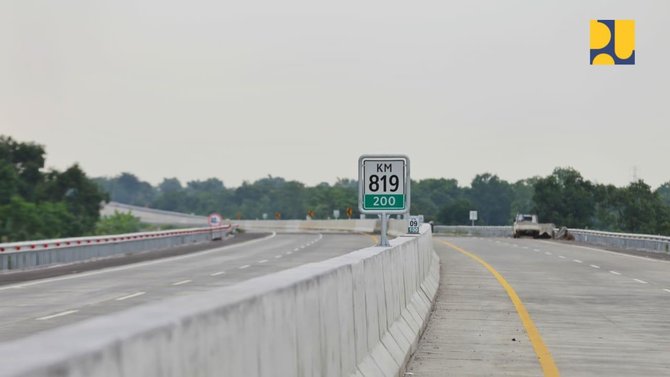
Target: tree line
point(36, 203)
point(564, 197)
point(39, 204)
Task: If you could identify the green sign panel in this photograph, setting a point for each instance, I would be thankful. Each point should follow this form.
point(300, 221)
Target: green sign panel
point(383, 201)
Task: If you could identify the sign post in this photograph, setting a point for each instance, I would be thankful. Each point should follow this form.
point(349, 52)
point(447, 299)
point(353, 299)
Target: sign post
point(383, 187)
point(473, 217)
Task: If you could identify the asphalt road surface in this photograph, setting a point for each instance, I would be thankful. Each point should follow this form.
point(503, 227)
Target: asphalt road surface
point(598, 313)
point(32, 306)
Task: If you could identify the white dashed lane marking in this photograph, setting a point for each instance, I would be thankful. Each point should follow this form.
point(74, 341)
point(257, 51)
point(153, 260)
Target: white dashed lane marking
point(245, 266)
point(561, 256)
point(615, 273)
point(278, 256)
point(61, 314)
point(130, 296)
point(218, 273)
point(594, 266)
point(182, 282)
point(640, 281)
point(263, 261)
point(577, 261)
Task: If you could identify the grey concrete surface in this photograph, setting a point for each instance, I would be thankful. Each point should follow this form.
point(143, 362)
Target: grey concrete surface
point(94, 293)
point(154, 216)
point(358, 314)
point(600, 313)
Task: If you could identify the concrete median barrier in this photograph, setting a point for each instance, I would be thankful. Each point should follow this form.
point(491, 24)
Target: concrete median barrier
point(360, 314)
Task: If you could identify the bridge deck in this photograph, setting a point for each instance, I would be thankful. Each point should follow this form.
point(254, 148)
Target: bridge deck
point(598, 313)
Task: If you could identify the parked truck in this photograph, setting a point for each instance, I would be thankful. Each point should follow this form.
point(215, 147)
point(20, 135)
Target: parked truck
point(528, 225)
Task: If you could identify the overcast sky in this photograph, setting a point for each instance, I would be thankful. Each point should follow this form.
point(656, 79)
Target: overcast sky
point(299, 88)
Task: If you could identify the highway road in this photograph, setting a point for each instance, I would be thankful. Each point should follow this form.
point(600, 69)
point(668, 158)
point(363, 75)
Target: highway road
point(37, 305)
point(596, 312)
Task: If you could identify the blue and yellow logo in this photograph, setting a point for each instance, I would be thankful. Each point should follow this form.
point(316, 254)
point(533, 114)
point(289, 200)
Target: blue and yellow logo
point(612, 42)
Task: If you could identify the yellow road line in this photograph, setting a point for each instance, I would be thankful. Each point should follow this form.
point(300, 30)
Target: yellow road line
point(543, 355)
point(372, 237)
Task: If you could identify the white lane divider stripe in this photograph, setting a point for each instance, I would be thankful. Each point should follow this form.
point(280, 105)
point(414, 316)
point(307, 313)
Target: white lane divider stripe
point(263, 261)
point(130, 296)
point(577, 261)
point(296, 249)
point(278, 256)
point(547, 252)
point(218, 273)
point(182, 282)
point(57, 315)
point(243, 267)
point(561, 256)
point(594, 266)
point(536, 250)
point(667, 290)
point(615, 273)
point(640, 281)
point(289, 252)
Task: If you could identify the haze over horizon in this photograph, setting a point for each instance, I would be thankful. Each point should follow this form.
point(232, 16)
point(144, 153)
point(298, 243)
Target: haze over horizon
point(299, 90)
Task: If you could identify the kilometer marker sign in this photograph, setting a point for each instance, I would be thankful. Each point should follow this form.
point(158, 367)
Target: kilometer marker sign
point(383, 184)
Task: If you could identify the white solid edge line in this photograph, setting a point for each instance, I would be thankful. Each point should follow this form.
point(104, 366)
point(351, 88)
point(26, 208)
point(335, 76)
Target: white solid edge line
point(182, 282)
point(615, 273)
point(136, 265)
point(245, 266)
point(217, 273)
point(640, 281)
point(57, 315)
point(130, 296)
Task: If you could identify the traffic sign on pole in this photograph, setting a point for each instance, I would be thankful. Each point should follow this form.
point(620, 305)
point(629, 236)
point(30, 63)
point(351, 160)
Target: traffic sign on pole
point(214, 219)
point(383, 187)
point(383, 184)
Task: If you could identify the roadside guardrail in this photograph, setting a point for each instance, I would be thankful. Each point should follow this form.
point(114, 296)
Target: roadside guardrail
point(31, 254)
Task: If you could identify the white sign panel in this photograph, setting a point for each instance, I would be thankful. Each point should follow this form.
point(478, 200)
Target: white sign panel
point(414, 224)
point(473, 215)
point(214, 219)
point(383, 184)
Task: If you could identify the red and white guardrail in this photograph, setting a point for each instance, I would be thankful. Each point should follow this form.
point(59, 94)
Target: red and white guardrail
point(97, 240)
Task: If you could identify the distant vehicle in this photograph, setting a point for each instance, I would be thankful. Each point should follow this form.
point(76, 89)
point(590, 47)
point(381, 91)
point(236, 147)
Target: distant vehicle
point(528, 225)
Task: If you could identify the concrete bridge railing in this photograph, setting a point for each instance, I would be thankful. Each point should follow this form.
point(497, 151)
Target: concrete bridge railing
point(360, 314)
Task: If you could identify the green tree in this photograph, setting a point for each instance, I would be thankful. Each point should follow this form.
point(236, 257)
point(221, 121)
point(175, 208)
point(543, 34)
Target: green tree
point(456, 212)
point(492, 198)
point(118, 223)
point(663, 192)
point(564, 198)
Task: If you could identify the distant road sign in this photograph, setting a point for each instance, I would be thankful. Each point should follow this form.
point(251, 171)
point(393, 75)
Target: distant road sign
point(473, 215)
point(336, 214)
point(214, 219)
point(383, 182)
point(414, 224)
